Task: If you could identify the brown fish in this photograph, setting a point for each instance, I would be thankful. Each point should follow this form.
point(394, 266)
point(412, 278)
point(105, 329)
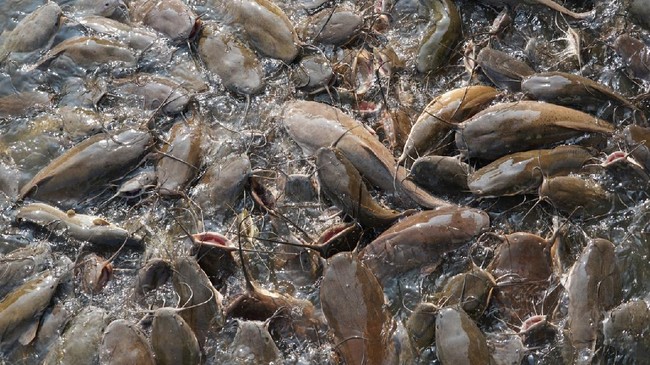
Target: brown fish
point(576, 195)
point(343, 185)
point(172, 339)
point(87, 165)
point(432, 130)
point(267, 27)
point(594, 284)
point(459, 340)
point(124, 344)
point(181, 159)
point(502, 69)
point(523, 271)
point(422, 239)
point(305, 119)
point(523, 172)
point(353, 303)
point(519, 126)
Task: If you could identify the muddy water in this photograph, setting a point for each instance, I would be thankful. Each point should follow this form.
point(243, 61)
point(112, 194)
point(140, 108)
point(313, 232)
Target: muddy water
point(236, 124)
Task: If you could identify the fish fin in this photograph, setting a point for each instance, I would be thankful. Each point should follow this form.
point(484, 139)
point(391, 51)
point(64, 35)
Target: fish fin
point(430, 268)
point(29, 334)
point(600, 127)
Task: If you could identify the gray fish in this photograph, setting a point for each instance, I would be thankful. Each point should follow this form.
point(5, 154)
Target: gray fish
point(21, 309)
point(80, 342)
point(124, 344)
point(173, 340)
point(204, 312)
point(254, 342)
point(234, 63)
point(173, 18)
point(222, 184)
point(87, 166)
point(82, 227)
point(594, 284)
point(34, 31)
point(181, 158)
point(19, 265)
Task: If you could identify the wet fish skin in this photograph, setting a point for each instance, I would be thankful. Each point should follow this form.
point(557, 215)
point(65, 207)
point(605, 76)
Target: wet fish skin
point(173, 18)
point(173, 340)
point(421, 324)
point(237, 66)
point(254, 340)
point(421, 239)
point(635, 54)
point(267, 27)
point(20, 310)
point(335, 28)
point(441, 36)
point(305, 119)
point(572, 90)
point(182, 159)
point(441, 174)
point(625, 328)
point(80, 342)
point(343, 185)
point(124, 344)
point(155, 92)
point(87, 165)
point(506, 128)
point(19, 265)
point(470, 290)
point(204, 314)
point(88, 53)
point(503, 70)
point(34, 31)
point(150, 276)
point(577, 196)
point(222, 184)
point(83, 227)
point(523, 263)
point(523, 172)
point(353, 303)
point(432, 130)
point(593, 285)
point(459, 340)
point(93, 273)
